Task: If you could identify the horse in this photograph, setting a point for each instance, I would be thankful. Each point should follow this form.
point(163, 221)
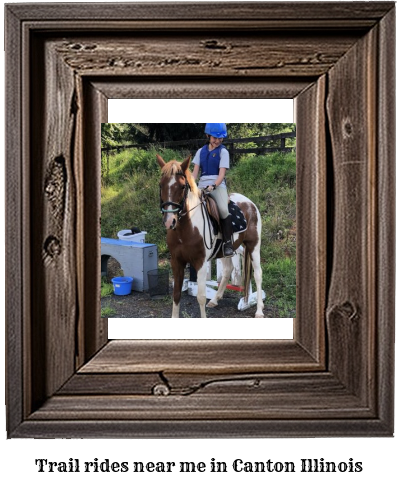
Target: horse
point(191, 239)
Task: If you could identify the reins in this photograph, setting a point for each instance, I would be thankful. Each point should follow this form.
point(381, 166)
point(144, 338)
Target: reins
point(205, 216)
point(206, 219)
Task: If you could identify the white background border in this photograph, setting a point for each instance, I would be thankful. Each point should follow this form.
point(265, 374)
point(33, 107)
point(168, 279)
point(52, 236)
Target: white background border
point(170, 111)
point(379, 455)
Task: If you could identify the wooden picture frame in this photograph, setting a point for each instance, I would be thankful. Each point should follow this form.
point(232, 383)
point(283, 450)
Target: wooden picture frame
point(64, 379)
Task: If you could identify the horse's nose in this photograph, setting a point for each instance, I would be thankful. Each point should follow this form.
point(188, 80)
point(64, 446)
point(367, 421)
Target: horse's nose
point(169, 222)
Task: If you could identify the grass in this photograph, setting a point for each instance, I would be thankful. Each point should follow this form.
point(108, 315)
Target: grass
point(270, 182)
point(107, 312)
point(107, 288)
point(130, 196)
point(280, 284)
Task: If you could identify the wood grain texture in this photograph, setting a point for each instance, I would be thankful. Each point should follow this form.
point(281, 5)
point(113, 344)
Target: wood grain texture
point(311, 217)
point(335, 377)
point(200, 356)
point(221, 55)
point(96, 384)
point(15, 207)
point(53, 196)
point(204, 407)
point(192, 428)
point(212, 26)
point(276, 11)
point(269, 396)
point(385, 272)
point(95, 329)
point(138, 87)
point(351, 113)
point(185, 384)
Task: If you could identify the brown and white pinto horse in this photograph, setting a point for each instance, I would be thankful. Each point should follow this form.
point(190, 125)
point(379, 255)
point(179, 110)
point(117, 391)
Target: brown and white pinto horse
point(190, 237)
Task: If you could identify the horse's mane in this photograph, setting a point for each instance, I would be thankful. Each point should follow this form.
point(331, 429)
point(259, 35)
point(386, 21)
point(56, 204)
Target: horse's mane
point(173, 167)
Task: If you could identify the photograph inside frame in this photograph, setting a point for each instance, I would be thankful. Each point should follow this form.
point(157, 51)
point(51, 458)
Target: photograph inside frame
point(198, 220)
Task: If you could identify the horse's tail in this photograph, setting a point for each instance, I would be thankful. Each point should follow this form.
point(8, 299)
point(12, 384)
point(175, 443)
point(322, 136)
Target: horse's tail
point(247, 273)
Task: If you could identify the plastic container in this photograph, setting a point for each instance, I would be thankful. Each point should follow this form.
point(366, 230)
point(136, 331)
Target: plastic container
point(158, 283)
point(133, 237)
point(122, 285)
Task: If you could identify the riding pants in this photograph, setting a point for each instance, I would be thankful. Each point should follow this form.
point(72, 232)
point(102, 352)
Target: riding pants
point(220, 196)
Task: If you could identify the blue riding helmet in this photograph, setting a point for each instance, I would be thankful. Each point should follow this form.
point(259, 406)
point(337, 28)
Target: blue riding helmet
point(218, 130)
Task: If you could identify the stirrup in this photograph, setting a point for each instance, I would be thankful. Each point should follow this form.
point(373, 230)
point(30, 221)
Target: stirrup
point(228, 250)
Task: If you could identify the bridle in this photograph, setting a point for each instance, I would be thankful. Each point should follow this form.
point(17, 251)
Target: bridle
point(179, 206)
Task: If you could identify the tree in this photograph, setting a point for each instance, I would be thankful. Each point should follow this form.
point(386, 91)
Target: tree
point(153, 133)
point(165, 132)
point(112, 134)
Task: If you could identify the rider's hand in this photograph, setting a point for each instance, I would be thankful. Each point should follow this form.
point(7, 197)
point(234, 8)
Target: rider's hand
point(210, 188)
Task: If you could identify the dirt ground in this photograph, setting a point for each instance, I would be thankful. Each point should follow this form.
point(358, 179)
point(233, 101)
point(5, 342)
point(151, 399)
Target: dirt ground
point(141, 305)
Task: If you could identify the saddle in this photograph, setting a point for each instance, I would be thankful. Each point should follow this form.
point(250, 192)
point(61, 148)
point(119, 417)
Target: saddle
point(238, 220)
point(213, 212)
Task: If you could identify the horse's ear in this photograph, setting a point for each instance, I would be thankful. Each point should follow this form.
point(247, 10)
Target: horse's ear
point(185, 164)
point(161, 162)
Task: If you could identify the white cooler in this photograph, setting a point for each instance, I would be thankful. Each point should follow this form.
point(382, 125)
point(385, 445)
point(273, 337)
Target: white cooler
point(136, 237)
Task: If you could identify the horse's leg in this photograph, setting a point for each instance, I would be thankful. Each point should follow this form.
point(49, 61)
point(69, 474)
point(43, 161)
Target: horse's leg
point(201, 293)
point(226, 274)
point(255, 257)
point(178, 277)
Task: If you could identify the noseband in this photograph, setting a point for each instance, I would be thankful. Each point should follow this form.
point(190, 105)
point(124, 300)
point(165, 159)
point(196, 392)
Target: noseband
point(179, 206)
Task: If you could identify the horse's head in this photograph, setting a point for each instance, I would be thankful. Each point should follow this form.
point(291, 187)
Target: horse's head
point(174, 188)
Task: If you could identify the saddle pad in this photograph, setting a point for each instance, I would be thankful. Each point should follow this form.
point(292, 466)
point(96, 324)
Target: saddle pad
point(238, 221)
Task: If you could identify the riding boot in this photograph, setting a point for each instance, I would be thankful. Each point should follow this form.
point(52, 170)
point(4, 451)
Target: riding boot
point(227, 237)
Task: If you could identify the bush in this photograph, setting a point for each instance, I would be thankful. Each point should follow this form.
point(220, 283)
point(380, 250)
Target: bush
point(130, 198)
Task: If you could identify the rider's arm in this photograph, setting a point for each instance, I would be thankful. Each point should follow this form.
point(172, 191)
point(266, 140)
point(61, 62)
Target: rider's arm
point(222, 174)
point(195, 171)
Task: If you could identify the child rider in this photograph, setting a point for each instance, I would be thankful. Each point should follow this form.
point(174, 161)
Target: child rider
point(213, 159)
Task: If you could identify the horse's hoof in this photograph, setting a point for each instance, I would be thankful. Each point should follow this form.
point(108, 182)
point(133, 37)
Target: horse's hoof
point(259, 315)
point(211, 305)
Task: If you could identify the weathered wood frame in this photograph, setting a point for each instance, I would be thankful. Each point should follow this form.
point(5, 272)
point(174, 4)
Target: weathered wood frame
point(64, 379)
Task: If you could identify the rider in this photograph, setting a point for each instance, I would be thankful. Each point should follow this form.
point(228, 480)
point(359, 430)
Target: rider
point(213, 159)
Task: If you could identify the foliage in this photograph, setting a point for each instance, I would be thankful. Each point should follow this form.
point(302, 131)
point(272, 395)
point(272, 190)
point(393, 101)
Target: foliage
point(164, 132)
point(112, 134)
point(107, 312)
point(242, 130)
point(106, 288)
point(263, 172)
point(131, 196)
point(154, 133)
